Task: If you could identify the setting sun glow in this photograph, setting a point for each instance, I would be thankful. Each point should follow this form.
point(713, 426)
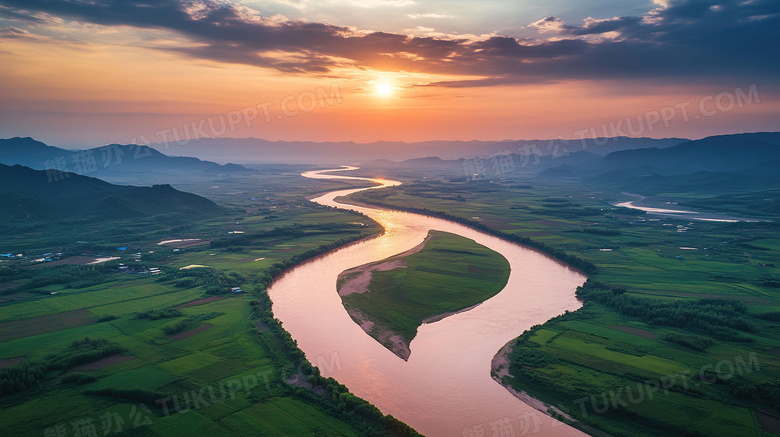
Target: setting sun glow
point(384, 89)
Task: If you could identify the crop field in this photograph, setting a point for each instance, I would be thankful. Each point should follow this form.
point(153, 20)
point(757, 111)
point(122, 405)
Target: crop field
point(585, 363)
point(172, 336)
point(43, 324)
point(284, 416)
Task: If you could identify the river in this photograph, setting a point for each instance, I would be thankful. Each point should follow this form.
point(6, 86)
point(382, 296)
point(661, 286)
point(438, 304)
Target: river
point(445, 388)
point(642, 205)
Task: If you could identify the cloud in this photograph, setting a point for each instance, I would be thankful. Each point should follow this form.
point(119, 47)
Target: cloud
point(549, 24)
point(592, 26)
point(428, 15)
point(380, 3)
point(10, 32)
point(421, 30)
point(25, 16)
point(300, 5)
point(15, 33)
point(678, 40)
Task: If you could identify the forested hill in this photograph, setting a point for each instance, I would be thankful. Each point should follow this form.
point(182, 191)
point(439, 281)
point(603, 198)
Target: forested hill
point(32, 194)
point(101, 161)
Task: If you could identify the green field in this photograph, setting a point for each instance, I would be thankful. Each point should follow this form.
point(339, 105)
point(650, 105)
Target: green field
point(652, 314)
point(449, 274)
point(231, 344)
point(654, 319)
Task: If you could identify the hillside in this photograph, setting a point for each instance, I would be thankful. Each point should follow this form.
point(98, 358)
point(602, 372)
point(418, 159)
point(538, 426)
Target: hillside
point(100, 161)
point(32, 194)
point(712, 165)
point(717, 154)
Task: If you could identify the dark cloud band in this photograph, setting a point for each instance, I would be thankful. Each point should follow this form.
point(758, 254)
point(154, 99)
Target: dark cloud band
point(690, 38)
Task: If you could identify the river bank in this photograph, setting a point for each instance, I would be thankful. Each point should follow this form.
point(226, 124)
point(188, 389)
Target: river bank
point(445, 388)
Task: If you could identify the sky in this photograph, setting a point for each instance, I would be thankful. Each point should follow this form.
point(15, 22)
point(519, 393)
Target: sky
point(88, 73)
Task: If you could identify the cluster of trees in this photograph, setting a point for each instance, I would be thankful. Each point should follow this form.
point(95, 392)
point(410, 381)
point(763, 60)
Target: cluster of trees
point(31, 374)
point(278, 343)
point(78, 378)
point(133, 395)
point(18, 378)
point(695, 342)
point(70, 276)
point(189, 322)
point(718, 318)
point(82, 352)
point(574, 261)
point(284, 233)
point(525, 356)
point(773, 316)
point(215, 281)
point(156, 314)
point(762, 393)
point(175, 328)
point(186, 283)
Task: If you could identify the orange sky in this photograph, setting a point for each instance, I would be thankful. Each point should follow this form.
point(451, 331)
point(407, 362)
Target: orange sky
point(110, 85)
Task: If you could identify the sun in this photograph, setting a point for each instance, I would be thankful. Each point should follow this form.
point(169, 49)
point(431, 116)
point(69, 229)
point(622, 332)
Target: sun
point(384, 89)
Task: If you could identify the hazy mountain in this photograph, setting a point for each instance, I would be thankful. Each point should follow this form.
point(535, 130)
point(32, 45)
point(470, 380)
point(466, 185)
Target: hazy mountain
point(254, 150)
point(419, 163)
point(718, 153)
point(522, 165)
point(718, 164)
point(34, 194)
point(100, 161)
point(125, 159)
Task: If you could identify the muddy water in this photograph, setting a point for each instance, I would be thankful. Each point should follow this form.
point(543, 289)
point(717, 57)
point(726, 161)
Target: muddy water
point(445, 388)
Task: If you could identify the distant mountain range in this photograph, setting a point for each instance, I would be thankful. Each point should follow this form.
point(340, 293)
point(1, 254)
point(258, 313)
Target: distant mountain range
point(712, 165)
point(254, 150)
point(35, 194)
point(101, 161)
point(717, 164)
point(718, 153)
point(127, 159)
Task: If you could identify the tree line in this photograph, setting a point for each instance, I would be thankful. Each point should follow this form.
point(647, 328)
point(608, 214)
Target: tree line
point(288, 232)
point(31, 374)
point(70, 276)
point(285, 353)
point(156, 314)
point(215, 281)
point(718, 318)
point(134, 395)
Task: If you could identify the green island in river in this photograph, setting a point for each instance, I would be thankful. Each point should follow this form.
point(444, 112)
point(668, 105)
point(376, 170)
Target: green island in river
point(443, 275)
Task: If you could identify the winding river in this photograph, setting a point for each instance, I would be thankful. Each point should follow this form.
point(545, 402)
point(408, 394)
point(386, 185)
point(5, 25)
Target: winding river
point(445, 388)
point(678, 213)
